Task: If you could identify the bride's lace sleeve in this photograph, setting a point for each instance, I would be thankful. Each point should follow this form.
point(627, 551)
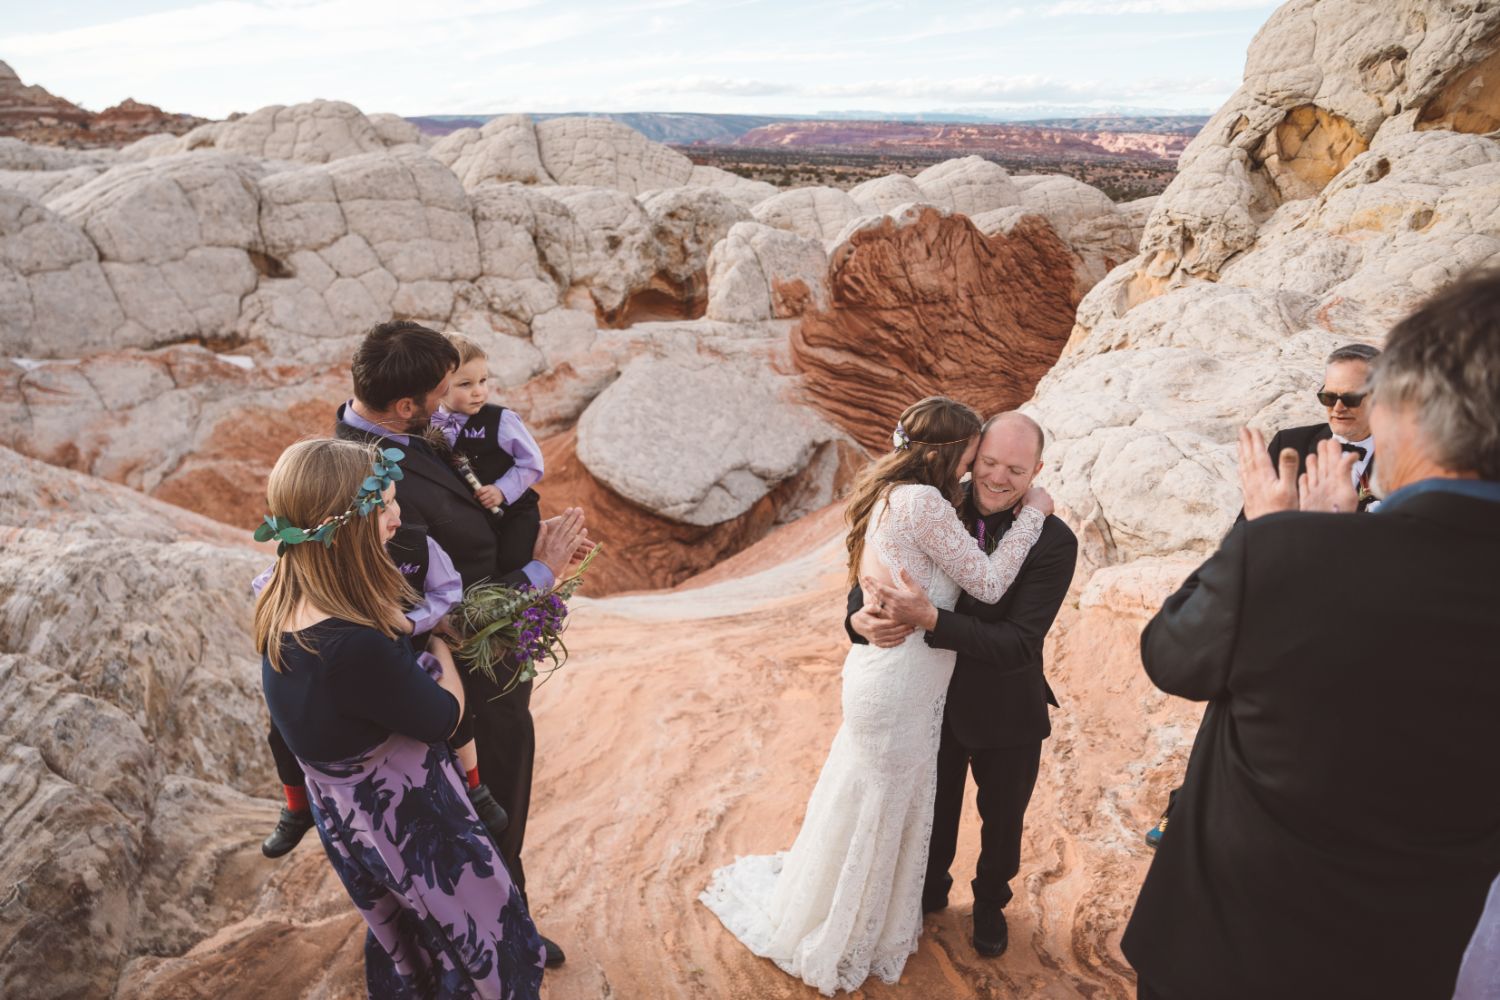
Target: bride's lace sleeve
point(932, 525)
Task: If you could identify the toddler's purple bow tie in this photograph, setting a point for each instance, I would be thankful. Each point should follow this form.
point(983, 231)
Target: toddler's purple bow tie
point(449, 424)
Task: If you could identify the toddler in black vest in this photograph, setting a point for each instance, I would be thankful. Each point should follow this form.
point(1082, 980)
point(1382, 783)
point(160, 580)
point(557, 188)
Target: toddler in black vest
point(505, 458)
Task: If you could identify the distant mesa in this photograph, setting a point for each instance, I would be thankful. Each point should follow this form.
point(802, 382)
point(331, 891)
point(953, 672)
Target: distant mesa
point(35, 115)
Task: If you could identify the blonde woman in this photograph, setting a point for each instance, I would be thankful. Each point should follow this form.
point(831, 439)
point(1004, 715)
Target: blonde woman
point(844, 903)
point(367, 718)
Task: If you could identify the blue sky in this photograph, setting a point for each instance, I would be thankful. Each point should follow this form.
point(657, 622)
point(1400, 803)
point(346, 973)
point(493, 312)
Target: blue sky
point(212, 57)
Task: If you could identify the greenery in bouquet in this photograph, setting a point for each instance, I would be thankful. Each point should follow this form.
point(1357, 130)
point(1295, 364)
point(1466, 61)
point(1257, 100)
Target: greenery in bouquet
point(514, 634)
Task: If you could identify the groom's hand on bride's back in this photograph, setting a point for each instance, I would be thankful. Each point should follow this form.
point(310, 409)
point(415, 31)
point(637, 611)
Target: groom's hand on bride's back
point(879, 631)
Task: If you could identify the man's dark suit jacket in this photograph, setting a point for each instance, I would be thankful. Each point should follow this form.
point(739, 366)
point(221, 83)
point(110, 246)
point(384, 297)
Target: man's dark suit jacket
point(433, 498)
point(1303, 440)
point(1339, 825)
point(999, 695)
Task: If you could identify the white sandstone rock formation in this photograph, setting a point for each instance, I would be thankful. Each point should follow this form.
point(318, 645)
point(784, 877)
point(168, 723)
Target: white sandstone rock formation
point(117, 612)
point(1339, 186)
point(881, 194)
point(315, 132)
point(503, 150)
point(602, 153)
point(54, 296)
point(970, 185)
point(746, 436)
point(816, 212)
point(1100, 235)
point(760, 273)
point(747, 192)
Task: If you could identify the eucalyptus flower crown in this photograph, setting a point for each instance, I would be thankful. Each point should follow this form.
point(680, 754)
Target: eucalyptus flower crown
point(383, 472)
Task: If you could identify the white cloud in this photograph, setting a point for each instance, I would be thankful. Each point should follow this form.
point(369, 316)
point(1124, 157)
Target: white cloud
point(1064, 7)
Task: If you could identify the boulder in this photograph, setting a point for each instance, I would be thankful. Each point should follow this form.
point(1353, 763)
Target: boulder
point(602, 153)
point(705, 450)
point(394, 130)
point(924, 303)
point(42, 185)
point(760, 273)
point(502, 151)
point(526, 243)
point(55, 299)
point(881, 194)
point(612, 249)
point(969, 185)
point(686, 224)
point(745, 191)
point(1100, 236)
point(353, 242)
point(314, 132)
point(819, 213)
point(174, 239)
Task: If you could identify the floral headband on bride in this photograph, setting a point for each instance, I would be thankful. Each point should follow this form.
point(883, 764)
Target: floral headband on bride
point(902, 441)
point(383, 472)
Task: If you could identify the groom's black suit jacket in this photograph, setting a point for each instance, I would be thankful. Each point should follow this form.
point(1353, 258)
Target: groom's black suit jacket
point(999, 694)
point(1339, 826)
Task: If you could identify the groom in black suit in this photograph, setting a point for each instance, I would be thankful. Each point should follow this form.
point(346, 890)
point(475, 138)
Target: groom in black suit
point(1338, 829)
point(996, 715)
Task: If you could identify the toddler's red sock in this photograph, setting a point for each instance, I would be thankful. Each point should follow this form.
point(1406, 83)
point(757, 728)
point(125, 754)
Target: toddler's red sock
point(296, 797)
point(473, 777)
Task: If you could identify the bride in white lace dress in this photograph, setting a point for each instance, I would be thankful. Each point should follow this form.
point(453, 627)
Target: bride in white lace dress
point(844, 902)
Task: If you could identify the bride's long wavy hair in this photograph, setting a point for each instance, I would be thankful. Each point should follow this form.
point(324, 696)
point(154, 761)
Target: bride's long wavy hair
point(939, 430)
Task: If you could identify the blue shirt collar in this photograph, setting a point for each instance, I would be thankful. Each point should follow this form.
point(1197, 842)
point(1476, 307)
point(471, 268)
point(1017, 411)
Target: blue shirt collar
point(1480, 489)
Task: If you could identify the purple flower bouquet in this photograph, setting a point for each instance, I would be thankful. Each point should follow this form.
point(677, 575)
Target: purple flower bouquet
point(511, 634)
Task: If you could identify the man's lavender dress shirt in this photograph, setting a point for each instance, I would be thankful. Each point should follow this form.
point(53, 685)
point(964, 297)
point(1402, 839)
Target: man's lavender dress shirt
point(536, 571)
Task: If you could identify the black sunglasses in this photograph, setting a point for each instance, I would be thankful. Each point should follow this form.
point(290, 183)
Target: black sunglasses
point(1350, 399)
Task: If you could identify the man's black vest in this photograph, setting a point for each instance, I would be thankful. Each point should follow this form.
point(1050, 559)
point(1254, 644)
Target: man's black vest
point(408, 551)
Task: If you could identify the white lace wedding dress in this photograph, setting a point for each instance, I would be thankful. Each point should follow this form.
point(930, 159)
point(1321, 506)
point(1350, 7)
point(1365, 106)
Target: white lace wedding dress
point(846, 901)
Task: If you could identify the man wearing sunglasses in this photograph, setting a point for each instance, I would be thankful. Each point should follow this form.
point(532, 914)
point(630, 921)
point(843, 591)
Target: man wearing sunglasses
point(1343, 395)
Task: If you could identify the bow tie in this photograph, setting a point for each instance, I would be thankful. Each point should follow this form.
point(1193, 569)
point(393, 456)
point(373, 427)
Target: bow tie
point(1356, 449)
point(449, 424)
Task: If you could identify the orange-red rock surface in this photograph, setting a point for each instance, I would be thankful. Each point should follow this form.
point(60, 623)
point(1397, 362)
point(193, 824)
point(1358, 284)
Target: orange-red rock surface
point(932, 307)
point(689, 726)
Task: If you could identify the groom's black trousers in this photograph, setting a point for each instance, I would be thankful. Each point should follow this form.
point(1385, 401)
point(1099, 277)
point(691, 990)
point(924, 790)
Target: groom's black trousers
point(1005, 777)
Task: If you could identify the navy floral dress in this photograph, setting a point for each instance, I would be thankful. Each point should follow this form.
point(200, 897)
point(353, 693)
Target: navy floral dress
point(445, 920)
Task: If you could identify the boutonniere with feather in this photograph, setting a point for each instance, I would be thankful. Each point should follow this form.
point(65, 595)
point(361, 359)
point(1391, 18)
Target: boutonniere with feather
point(458, 461)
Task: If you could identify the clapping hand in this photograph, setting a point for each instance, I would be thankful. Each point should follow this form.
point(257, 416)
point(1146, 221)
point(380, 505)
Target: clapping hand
point(1328, 483)
point(1267, 489)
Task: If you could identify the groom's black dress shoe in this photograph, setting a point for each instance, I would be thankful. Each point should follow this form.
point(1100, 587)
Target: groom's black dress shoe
point(555, 956)
point(289, 831)
point(991, 936)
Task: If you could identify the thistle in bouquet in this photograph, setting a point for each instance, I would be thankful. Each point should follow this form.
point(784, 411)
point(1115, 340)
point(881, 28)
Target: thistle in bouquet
point(514, 634)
